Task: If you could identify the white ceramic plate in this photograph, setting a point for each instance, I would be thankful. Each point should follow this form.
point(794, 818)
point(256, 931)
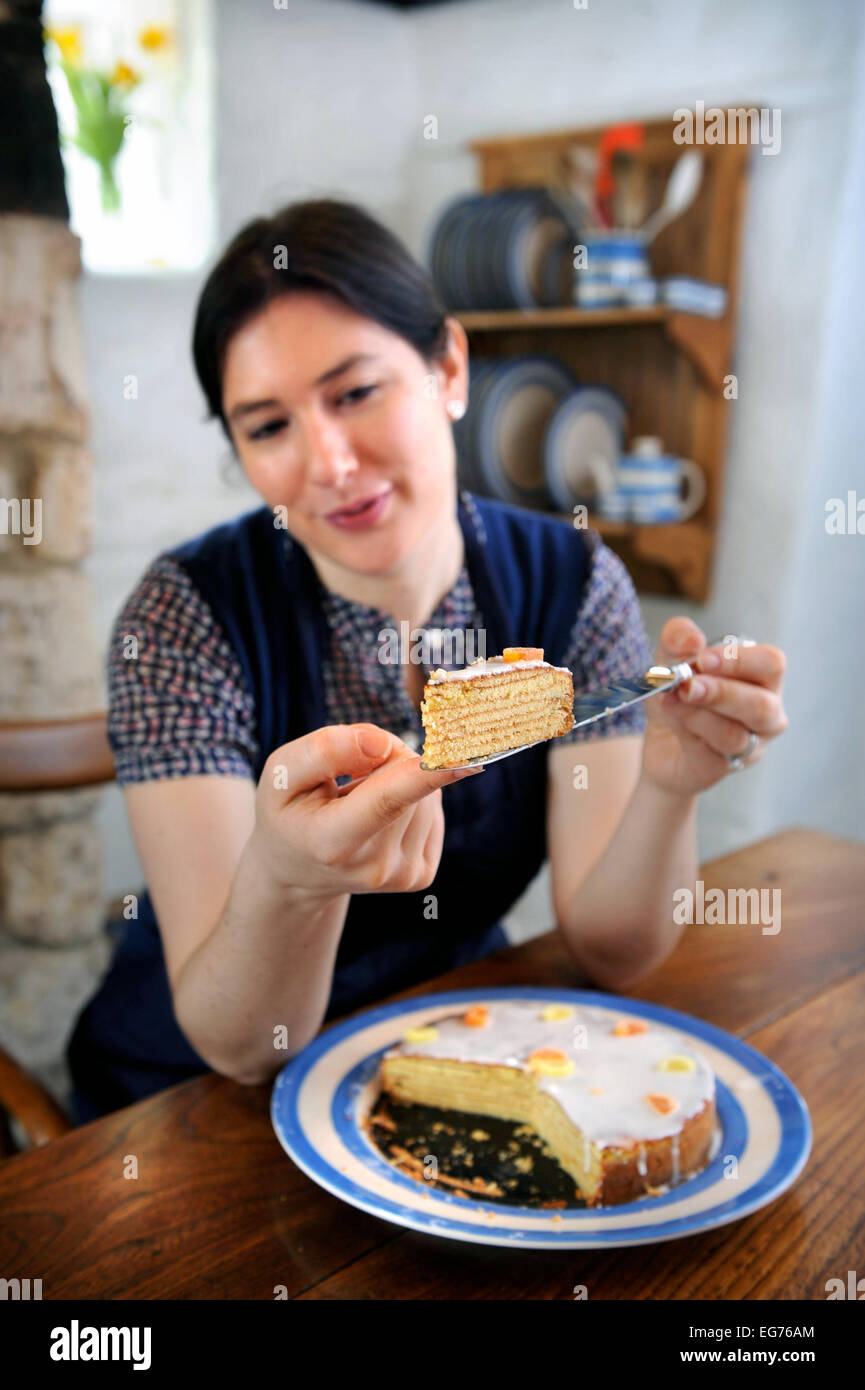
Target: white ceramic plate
point(322, 1095)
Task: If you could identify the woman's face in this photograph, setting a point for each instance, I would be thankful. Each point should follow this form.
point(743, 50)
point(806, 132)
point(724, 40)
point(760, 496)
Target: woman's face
point(345, 426)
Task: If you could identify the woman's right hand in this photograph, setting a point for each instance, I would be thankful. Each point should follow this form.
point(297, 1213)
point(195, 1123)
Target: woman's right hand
point(381, 834)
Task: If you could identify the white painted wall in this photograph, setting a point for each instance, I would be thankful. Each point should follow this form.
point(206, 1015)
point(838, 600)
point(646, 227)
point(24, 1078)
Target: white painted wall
point(822, 771)
point(328, 97)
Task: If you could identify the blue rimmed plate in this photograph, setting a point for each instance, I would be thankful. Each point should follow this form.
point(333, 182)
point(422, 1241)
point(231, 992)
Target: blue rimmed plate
point(583, 442)
point(516, 404)
point(322, 1096)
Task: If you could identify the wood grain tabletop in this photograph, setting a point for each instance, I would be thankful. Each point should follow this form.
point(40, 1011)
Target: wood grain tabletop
point(218, 1211)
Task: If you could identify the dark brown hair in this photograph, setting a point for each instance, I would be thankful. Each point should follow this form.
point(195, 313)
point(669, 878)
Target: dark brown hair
point(324, 245)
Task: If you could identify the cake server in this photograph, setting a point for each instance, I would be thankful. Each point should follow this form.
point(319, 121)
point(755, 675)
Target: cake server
point(609, 699)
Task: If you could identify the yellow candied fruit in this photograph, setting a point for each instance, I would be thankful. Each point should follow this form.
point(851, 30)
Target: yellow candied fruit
point(522, 654)
point(629, 1027)
point(550, 1061)
point(420, 1034)
point(677, 1063)
point(554, 1012)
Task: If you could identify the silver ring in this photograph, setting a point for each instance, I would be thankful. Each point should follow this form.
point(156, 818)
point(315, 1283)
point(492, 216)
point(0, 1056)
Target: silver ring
point(737, 762)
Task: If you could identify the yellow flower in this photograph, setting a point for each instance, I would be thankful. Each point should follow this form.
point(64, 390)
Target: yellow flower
point(68, 40)
point(154, 38)
point(123, 76)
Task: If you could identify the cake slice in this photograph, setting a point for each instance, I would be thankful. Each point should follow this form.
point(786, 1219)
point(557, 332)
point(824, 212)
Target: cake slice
point(494, 705)
point(623, 1105)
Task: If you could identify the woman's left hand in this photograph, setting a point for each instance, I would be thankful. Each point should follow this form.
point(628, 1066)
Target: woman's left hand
point(693, 729)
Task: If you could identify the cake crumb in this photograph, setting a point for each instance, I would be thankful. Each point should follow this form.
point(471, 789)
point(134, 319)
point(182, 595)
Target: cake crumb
point(383, 1121)
point(479, 1134)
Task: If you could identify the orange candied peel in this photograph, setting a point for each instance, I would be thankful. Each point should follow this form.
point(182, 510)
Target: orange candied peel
point(550, 1061)
point(665, 1105)
point(628, 1027)
point(522, 654)
point(478, 1016)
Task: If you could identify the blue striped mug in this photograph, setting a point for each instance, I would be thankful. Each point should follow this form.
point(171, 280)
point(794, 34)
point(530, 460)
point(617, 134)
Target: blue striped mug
point(649, 486)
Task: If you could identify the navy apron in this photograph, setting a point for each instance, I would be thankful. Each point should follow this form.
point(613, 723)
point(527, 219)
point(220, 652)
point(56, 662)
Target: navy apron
point(528, 573)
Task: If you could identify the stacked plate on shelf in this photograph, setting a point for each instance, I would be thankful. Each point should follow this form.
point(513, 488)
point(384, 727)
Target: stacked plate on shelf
point(534, 437)
point(583, 443)
point(508, 250)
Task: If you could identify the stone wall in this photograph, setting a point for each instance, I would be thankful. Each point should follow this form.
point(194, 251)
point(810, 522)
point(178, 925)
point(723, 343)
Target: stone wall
point(52, 944)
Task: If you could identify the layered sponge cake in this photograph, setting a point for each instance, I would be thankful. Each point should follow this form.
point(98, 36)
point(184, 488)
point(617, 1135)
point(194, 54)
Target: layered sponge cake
point(625, 1106)
point(495, 705)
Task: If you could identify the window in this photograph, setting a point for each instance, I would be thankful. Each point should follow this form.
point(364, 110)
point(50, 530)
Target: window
point(145, 69)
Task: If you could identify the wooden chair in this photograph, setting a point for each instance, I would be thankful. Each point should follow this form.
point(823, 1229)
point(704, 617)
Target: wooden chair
point(54, 755)
point(24, 1099)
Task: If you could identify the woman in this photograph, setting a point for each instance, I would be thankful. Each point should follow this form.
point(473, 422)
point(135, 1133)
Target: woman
point(298, 860)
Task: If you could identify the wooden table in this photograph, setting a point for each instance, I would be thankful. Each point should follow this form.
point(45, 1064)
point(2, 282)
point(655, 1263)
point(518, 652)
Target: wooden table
point(219, 1211)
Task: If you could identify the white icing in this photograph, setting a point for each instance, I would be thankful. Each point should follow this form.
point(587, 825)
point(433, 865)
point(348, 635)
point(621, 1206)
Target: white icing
point(625, 1068)
point(492, 666)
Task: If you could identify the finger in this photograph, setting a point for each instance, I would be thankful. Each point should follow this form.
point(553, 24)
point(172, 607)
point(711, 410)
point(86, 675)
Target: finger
point(758, 709)
point(336, 750)
point(680, 639)
point(420, 823)
point(677, 717)
point(727, 737)
point(761, 664)
point(380, 800)
point(349, 786)
point(400, 750)
point(432, 850)
point(405, 752)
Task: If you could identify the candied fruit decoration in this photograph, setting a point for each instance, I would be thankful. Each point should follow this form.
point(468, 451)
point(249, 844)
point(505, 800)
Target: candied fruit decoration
point(553, 1013)
point(628, 1027)
point(477, 1017)
point(665, 1105)
point(677, 1063)
point(522, 654)
point(427, 1034)
point(550, 1061)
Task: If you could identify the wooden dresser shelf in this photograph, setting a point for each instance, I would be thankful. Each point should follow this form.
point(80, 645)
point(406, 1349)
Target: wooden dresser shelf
point(565, 317)
point(703, 339)
point(671, 369)
point(670, 558)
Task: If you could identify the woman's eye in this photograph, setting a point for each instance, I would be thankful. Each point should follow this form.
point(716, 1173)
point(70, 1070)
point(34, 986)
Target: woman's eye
point(265, 431)
point(358, 394)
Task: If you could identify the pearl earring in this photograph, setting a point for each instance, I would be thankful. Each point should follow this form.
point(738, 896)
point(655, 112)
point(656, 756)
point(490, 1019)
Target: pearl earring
point(456, 409)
